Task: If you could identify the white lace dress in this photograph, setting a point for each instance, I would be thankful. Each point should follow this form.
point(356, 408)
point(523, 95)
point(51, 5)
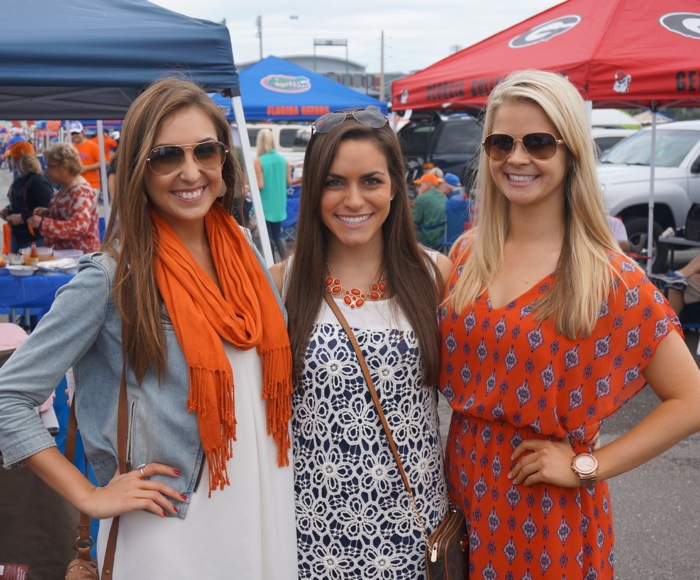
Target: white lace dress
point(354, 519)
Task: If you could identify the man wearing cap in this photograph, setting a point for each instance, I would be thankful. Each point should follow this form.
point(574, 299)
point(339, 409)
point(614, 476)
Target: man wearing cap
point(429, 211)
point(89, 153)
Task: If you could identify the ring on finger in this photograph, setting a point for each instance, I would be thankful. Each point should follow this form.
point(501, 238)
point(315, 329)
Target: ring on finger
point(140, 468)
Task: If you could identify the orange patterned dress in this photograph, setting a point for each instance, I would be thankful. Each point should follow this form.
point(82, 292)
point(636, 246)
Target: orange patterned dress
point(509, 378)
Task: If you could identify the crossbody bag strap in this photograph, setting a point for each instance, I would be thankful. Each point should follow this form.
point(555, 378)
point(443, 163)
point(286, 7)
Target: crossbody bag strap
point(84, 542)
point(378, 405)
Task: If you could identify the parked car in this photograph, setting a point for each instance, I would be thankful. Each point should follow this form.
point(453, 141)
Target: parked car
point(286, 139)
point(606, 137)
point(448, 142)
point(283, 134)
point(624, 173)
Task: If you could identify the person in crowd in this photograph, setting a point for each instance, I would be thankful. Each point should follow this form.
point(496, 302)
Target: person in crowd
point(547, 330)
point(109, 145)
point(273, 174)
point(15, 151)
point(356, 243)
point(619, 232)
point(183, 294)
point(436, 171)
point(451, 186)
point(429, 211)
point(683, 290)
point(71, 220)
point(89, 153)
point(32, 189)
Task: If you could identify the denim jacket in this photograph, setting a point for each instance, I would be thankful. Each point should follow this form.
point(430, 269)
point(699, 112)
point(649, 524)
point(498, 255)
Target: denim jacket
point(83, 330)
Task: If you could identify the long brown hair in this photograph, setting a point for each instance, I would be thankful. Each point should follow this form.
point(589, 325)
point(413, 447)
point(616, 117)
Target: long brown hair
point(409, 275)
point(129, 238)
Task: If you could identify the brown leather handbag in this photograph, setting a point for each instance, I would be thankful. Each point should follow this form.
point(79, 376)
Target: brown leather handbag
point(447, 548)
point(82, 567)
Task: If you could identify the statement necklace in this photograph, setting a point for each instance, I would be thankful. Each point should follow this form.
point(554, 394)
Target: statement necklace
point(354, 297)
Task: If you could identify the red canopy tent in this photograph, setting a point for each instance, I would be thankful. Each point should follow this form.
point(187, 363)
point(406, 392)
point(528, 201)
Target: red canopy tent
point(620, 53)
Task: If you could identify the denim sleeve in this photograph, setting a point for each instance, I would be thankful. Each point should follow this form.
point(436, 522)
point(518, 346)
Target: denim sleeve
point(33, 371)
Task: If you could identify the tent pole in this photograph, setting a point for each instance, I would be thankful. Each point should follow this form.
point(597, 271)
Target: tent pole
point(103, 170)
point(652, 173)
point(237, 106)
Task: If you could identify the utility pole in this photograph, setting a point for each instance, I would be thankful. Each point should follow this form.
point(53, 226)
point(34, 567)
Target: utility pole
point(382, 93)
point(258, 22)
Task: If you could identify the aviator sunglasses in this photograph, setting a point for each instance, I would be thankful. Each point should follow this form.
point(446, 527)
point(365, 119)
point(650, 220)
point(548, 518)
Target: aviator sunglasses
point(538, 145)
point(369, 117)
point(165, 159)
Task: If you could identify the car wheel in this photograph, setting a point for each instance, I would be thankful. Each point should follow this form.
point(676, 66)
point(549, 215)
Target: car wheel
point(638, 236)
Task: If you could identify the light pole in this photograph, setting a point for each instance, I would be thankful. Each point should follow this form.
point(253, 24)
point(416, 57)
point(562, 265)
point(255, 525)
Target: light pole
point(258, 22)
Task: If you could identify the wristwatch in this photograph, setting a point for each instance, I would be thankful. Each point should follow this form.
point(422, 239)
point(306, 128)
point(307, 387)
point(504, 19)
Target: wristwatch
point(586, 467)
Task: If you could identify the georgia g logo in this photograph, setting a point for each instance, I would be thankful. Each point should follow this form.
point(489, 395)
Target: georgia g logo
point(683, 23)
point(546, 31)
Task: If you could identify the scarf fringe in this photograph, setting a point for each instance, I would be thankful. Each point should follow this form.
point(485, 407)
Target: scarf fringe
point(218, 446)
point(277, 363)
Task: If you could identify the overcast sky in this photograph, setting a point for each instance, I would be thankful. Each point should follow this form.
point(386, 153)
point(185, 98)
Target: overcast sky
point(417, 33)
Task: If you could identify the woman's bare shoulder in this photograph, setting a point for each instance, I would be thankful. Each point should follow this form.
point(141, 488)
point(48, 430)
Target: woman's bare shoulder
point(277, 273)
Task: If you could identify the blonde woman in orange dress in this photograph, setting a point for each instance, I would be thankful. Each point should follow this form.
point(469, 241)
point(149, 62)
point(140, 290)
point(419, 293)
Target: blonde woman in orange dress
point(546, 331)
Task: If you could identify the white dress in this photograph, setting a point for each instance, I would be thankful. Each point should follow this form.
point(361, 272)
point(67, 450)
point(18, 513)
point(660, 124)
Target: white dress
point(353, 515)
point(246, 531)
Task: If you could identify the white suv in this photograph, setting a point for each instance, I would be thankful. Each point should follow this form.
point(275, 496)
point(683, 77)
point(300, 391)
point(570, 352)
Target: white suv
point(624, 172)
point(286, 138)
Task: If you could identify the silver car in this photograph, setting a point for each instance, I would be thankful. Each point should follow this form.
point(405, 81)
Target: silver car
point(624, 172)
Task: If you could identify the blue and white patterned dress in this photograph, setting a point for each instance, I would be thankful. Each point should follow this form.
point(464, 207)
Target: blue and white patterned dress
point(354, 519)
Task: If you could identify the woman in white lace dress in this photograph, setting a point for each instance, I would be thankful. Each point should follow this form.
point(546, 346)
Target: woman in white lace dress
point(356, 241)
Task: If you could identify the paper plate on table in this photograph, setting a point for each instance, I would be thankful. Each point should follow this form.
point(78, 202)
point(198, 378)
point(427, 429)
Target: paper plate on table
point(58, 254)
point(62, 265)
point(18, 270)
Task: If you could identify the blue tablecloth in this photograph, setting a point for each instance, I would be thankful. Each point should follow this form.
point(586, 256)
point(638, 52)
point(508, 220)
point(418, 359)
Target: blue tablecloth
point(35, 292)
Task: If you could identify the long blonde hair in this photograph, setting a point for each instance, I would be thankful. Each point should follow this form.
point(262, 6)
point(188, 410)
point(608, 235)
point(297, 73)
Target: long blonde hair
point(264, 142)
point(584, 270)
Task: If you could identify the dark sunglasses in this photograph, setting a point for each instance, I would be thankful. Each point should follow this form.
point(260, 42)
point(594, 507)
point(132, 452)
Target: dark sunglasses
point(538, 145)
point(369, 117)
point(167, 158)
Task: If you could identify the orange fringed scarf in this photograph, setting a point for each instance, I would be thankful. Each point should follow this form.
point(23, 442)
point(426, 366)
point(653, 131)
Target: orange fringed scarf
point(246, 315)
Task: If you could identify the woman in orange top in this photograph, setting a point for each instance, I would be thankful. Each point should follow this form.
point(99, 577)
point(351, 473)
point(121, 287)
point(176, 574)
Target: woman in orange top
point(547, 330)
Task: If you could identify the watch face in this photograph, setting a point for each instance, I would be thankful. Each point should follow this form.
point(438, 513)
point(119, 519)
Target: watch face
point(585, 463)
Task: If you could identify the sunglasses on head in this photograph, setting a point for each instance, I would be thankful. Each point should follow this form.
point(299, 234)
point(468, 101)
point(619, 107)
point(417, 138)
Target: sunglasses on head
point(165, 159)
point(369, 117)
point(538, 145)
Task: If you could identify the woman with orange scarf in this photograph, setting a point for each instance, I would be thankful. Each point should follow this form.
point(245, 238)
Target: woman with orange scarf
point(180, 290)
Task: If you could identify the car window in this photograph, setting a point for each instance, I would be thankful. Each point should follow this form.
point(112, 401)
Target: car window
point(287, 136)
point(459, 137)
point(301, 138)
point(415, 139)
point(672, 146)
point(605, 143)
point(253, 136)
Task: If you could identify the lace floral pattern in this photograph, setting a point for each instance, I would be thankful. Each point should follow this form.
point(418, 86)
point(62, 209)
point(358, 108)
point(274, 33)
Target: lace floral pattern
point(354, 519)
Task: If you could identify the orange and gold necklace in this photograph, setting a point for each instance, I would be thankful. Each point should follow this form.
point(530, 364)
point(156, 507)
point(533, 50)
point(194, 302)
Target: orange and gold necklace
point(355, 297)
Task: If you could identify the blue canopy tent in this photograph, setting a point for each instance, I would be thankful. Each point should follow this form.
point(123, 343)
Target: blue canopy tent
point(275, 89)
point(89, 59)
